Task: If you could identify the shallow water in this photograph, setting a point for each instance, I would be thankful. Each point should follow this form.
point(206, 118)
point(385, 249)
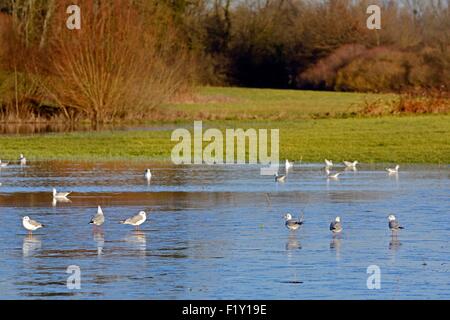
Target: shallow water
point(51, 127)
point(216, 232)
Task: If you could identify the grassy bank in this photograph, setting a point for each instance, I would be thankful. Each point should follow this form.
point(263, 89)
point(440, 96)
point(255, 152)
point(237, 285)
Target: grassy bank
point(218, 103)
point(413, 139)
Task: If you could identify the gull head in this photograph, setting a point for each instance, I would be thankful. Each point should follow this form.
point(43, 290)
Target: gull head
point(143, 214)
point(338, 219)
point(26, 218)
point(54, 191)
point(287, 216)
point(391, 217)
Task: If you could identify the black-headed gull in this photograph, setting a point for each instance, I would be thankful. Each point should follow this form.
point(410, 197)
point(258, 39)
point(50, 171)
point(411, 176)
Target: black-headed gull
point(291, 223)
point(279, 178)
point(288, 164)
point(394, 170)
point(350, 164)
point(30, 224)
point(23, 160)
point(336, 226)
point(136, 220)
point(393, 223)
point(60, 195)
point(332, 175)
point(99, 218)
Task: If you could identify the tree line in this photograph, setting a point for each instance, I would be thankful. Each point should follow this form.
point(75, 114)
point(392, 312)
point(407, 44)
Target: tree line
point(322, 44)
point(132, 55)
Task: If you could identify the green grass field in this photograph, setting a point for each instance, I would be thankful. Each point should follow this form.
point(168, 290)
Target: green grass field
point(419, 139)
point(303, 134)
point(218, 103)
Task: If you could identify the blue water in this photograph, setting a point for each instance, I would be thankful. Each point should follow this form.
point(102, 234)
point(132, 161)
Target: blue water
point(217, 232)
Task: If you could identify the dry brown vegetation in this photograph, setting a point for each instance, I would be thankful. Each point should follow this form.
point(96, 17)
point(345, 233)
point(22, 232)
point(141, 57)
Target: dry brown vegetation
point(126, 59)
point(411, 102)
point(326, 44)
point(131, 56)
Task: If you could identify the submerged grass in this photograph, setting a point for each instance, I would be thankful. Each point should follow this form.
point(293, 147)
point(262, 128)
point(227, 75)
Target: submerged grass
point(399, 139)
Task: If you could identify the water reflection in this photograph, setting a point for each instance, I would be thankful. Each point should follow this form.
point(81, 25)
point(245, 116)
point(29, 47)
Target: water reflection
point(31, 244)
point(293, 243)
point(99, 238)
point(335, 245)
point(37, 128)
point(42, 128)
point(332, 182)
point(60, 200)
point(394, 177)
point(138, 240)
point(395, 243)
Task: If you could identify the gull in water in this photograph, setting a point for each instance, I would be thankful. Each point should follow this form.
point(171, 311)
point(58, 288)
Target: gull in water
point(137, 220)
point(328, 163)
point(394, 170)
point(332, 175)
point(23, 160)
point(3, 164)
point(99, 218)
point(148, 174)
point(60, 195)
point(31, 225)
point(291, 223)
point(336, 226)
point(393, 223)
point(289, 164)
point(351, 165)
point(279, 178)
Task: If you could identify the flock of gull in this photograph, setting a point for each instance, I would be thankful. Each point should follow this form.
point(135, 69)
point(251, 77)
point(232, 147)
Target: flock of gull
point(97, 220)
point(336, 225)
point(291, 223)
